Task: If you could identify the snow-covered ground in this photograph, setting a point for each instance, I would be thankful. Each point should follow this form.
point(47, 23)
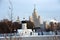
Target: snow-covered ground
point(33, 37)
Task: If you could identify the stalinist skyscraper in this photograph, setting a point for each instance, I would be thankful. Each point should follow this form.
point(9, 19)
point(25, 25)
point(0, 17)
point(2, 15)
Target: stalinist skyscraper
point(35, 18)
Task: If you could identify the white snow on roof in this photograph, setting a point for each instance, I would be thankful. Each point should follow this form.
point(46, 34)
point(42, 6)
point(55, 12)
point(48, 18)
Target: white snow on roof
point(54, 21)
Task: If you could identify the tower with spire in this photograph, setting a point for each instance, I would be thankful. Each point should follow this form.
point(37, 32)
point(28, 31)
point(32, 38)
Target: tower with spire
point(35, 14)
point(18, 20)
point(35, 18)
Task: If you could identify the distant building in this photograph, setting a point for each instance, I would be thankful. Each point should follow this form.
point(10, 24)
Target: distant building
point(35, 18)
point(54, 21)
point(46, 24)
point(53, 24)
point(59, 26)
point(18, 20)
point(31, 19)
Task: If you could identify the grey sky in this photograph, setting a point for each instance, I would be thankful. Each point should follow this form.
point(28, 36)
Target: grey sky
point(47, 9)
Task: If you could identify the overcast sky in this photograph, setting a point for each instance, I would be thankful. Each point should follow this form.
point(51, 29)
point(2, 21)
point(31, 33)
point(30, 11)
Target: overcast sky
point(47, 9)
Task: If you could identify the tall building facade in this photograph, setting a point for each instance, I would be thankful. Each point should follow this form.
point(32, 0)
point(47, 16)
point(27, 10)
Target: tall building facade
point(35, 18)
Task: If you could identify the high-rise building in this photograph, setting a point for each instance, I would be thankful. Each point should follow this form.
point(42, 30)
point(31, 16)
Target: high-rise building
point(35, 18)
point(31, 19)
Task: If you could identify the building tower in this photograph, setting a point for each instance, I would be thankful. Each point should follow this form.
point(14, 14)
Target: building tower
point(36, 18)
point(30, 18)
point(18, 20)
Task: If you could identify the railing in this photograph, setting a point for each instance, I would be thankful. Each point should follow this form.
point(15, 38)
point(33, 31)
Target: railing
point(48, 33)
point(39, 33)
point(40, 37)
point(15, 36)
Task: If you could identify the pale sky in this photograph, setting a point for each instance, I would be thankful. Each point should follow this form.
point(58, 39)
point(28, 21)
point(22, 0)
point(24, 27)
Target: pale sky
point(47, 9)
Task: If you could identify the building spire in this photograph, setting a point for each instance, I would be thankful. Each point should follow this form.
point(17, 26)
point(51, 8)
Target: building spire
point(35, 12)
point(34, 7)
